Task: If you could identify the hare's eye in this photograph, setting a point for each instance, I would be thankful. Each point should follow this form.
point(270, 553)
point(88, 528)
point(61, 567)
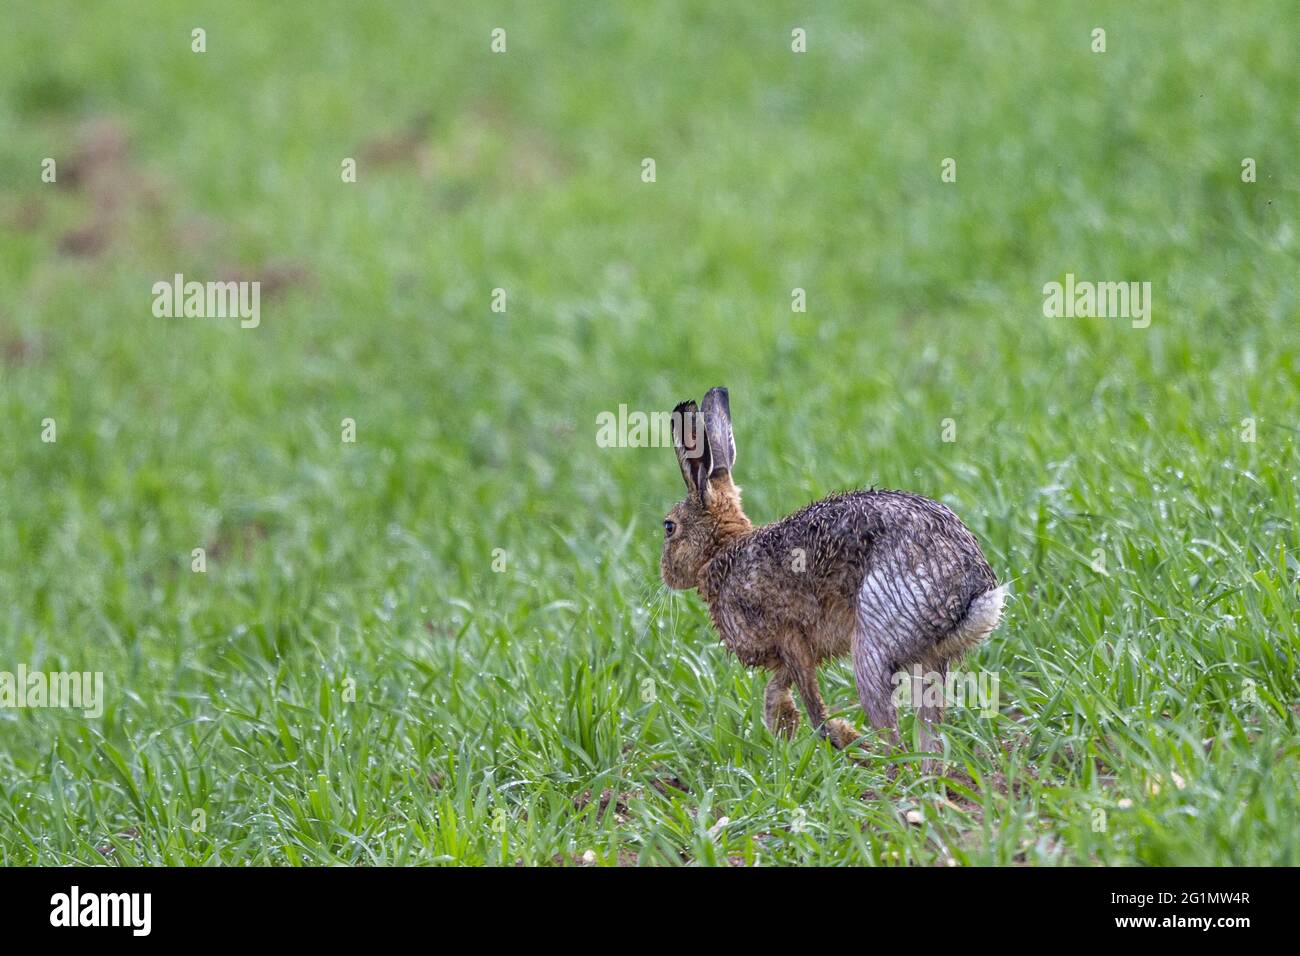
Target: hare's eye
point(669, 528)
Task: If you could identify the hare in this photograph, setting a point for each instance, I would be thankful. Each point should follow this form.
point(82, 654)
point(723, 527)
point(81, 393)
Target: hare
point(893, 578)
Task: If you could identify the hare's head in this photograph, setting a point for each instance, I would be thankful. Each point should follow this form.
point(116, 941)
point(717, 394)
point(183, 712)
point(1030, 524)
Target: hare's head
point(710, 516)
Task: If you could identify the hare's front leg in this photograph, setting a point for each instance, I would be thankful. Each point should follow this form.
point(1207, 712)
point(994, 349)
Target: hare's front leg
point(839, 732)
point(779, 711)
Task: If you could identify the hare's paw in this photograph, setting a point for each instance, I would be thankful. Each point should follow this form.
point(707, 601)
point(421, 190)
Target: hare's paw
point(783, 718)
point(841, 733)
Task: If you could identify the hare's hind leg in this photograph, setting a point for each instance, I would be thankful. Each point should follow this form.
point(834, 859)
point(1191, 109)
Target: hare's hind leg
point(929, 715)
point(779, 712)
point(981, 617)
point(882, 638)
point(873, 673)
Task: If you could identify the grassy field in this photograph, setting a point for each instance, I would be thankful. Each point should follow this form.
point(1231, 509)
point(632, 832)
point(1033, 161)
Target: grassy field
point(446, 642)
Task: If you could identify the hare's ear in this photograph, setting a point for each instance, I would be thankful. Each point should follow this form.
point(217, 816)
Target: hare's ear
point(692, 445)
point(717, 428)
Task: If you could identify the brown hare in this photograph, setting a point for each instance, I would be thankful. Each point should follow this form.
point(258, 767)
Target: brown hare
point(893, 578)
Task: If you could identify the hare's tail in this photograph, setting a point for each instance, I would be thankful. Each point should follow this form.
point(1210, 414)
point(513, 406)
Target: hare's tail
point(985, 612)
point(983, 615)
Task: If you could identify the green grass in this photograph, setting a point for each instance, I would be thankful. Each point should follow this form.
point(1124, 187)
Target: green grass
point(487, 704)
